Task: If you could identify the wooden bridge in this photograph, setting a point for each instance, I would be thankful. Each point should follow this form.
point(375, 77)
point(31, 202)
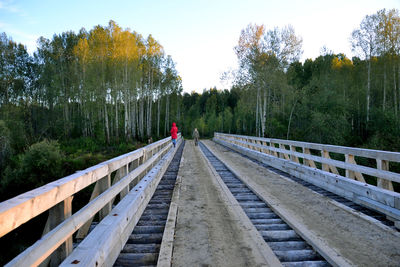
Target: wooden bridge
point(233, 201)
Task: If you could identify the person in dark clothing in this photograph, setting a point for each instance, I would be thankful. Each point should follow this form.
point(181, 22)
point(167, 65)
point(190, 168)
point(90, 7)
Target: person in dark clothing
point(196, 136)
point(174, 133)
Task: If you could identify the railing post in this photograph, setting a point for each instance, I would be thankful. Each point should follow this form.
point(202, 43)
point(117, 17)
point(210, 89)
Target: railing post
point(273, 152)
point(57, 215)
point(124, 172)
point(282, 154)
point(259, 148)
point(264, 149)
point(134, 165)
point(104, 184)
point(325, 154)
point(101, 185)
point(349, 174)
point(383, 183)
point(293, 157)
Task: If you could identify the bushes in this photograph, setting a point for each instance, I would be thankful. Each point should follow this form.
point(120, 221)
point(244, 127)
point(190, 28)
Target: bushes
point(5, 144)
point(40, 164)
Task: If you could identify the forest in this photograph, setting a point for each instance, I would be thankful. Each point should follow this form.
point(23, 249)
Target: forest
point(84, 97)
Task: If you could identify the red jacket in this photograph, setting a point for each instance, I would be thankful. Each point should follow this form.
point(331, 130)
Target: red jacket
point(174, 131)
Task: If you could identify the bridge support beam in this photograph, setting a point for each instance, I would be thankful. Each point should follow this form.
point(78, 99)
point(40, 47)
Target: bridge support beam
point(58, 214)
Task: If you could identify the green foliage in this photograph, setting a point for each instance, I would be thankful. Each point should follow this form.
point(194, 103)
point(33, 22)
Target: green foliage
point(40, 164)
point(5, 144)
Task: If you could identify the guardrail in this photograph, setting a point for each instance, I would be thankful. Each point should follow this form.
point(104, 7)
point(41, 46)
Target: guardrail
point(56, 197)
point(313, 162)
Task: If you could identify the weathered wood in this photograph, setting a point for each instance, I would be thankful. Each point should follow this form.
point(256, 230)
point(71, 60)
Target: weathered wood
point(261, 246)
point(101, 186)
point(104, 184)
point(293, 157)
point(340, 164)
point(133, 166)
point(307, 160)
point(326, 251)
point(124, 191)
point(274, 152)
point(165, 254)
point(337, 184)
point(350, 173)
point(52, 240)
point(58, 214)
point(283, 155)
point(104, 243)
point(327, 167)
point(383, 183)
point(63, 232)
point(360, 152)
point(325, 154)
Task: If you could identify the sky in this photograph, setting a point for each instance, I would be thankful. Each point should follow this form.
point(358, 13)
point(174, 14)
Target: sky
point(199, 35)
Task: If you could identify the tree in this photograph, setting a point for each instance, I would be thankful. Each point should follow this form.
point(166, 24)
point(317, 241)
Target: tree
point(363, 42)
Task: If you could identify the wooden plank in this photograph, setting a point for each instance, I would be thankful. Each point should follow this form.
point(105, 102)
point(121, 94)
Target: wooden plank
point(307, 160)
point(125, 191)
point(22, 208)
point(350, 173)
point(328, 167)
point(345, 165)
point(331, 182)
point(52, 240)
point(360, 152)
point(293, 157)
point(104, 243)
point(285, 156)
point(383, 183)
point(261, 246)
point(317, 243)
point(58, 214)
point(325, 154)
point(274, 152)
point(167, 243)
point(392, 212)
point(100, 186)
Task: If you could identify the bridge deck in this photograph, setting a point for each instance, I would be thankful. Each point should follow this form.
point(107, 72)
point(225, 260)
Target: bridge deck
point(208, 231)
point(232, 211)
point(359, 241)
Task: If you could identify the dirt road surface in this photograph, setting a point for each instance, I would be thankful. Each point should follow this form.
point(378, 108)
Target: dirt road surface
point(360, 242)
point(207, 232)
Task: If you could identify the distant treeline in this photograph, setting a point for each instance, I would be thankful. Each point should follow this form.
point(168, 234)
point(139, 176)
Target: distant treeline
point(110, 87)
point(332, 99)
point(96, 91)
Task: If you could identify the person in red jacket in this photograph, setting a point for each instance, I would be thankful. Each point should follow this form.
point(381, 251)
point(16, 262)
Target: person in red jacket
point(174, 133)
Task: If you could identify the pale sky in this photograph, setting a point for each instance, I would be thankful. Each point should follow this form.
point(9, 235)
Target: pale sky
point(199, 35)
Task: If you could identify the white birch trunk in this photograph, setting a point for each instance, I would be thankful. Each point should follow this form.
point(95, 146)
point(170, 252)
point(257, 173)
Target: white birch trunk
point(368, 88)
point(257, 106)
point(264, 115)
point(166, 124)
point(384, 86)
point(106, 123)
point(394, 90)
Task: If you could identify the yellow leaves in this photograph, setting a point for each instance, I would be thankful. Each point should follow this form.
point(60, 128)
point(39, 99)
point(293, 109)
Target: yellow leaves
point(341, 61)
point(81, 50)
point(154, 49)
point(111, 43)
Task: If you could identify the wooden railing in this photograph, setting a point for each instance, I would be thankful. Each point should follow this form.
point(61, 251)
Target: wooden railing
point(314, 157)
point(111, 178)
